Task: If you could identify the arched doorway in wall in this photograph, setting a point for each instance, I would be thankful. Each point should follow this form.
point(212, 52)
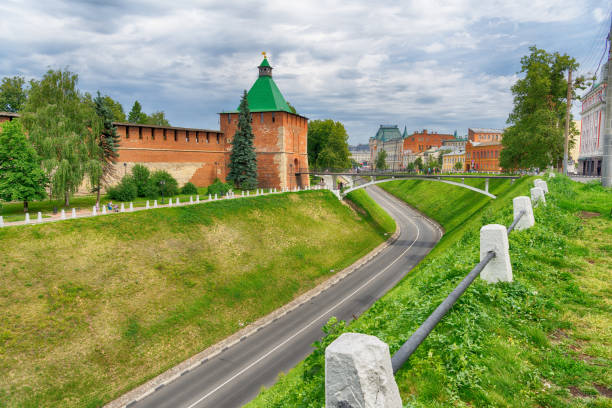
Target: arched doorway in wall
point(298, 177)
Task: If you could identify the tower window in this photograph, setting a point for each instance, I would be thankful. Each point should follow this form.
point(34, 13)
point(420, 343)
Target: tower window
point(175, 137)
point(261, 115)
point(127, 132)
point(187, 136)
point(152, 134)
point(139, 132)
point(165, 136)
point(197, 137)
point(228, 118)
point(217, 139)
point(207, 138)
point(273, 118)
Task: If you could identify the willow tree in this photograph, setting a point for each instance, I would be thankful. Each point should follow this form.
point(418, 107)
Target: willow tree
point(62, 125)
point(243, 161)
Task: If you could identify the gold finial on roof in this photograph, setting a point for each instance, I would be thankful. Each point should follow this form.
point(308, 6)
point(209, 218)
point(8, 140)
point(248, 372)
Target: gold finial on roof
point(264, 54)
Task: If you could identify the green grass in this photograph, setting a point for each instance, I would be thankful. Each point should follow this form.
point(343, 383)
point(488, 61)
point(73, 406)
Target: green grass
point(93, 307)
point(372, 211)
point(544, 340)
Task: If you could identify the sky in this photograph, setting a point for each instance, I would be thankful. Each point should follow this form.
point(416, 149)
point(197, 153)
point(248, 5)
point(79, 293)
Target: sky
point(425, 64)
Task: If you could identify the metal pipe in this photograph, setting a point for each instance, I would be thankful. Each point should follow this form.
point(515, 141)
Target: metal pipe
point(404, 353)
point(516, 220)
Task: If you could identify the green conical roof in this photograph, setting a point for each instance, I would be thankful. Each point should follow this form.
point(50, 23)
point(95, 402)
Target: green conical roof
point(264, 63)
point(264, 96)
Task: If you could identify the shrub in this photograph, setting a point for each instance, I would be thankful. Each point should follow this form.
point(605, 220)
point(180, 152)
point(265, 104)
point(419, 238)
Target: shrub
point(141, 178)
point(126, 190)
point(189, 188)
point(218, 187)
point(155, 189)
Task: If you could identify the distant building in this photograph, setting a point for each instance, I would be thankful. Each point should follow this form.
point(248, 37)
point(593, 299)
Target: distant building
point(482, 150)
point(449, 160)
point(360, 153)
point(485, 135)
point(8, 116)
point(421, 141)
point(390, 139)
point(455, 144)
point(592, 128)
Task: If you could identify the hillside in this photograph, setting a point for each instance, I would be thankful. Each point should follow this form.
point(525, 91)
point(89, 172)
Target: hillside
point(93, 307)
point(543, 340)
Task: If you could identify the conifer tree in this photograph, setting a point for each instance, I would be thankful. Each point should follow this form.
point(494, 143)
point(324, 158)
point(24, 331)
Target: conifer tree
point(107, 142)
point(136, 115)
point(61, 124)
point(243, 161)
point(21, 177)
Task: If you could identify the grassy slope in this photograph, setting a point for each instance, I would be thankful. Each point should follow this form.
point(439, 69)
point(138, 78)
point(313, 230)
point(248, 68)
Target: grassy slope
point(543, 340)
point(372, 212)
point(93, 307)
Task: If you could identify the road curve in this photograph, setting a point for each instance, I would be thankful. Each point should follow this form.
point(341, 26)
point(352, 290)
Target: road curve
point(234, 377)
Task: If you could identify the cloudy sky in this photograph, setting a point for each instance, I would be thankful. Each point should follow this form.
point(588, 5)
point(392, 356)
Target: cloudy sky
point(440, 65)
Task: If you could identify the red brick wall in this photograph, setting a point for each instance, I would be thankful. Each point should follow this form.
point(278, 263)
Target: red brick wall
point(280, 144)
point(483, 158)
point(419, 142)
point(484, 137)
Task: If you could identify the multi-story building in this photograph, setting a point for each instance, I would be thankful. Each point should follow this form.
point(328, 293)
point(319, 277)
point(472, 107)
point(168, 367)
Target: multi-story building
point(455, 144)
point(421, 141)
point(592, 129)
point(482, 150)
point(360, 154)
point(485, 135)
point(450, 160)
point(390, 139)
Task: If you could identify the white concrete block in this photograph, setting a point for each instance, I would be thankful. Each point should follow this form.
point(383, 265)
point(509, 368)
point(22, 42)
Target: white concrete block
point(74, 213)
point(131, 206)
point(147, 205)
point(170, 202)
point(122, 207)
point(537, 196)
point(1, 221)
point(551, 175)
point(542, 184)
point(209, 197)
point(216, 198)
point(523, 203)
point(243, 193)
point(248, 193)
point(63, 214)
point(94, 211)
point(197, 199)
point(154, 203)
point(358, 373)
point(39, 217)
point(190, 199)
point(27, 218)
point(178, 202)
point(103, 209)
point(494, 237)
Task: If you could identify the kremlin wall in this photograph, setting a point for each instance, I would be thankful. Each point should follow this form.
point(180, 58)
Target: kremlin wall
point(202, 155)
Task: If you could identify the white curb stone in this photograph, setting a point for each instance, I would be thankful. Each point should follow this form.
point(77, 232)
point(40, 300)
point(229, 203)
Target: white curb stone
point(147, 205)
point(94, 211)
point(74, 213)
point(1, 222)
point(216, 198)
point(63, 216)
point(178, 202)
point(103, 209)
point(358, 373)
point(537, 196)
point(197, 199)
point(122, 207)
point(494, 237)
point(154, 203)
point(131, 206)
point(170, 202)
point(190, 199)
point(542, 184)
point(523, 203)
point(27, 218)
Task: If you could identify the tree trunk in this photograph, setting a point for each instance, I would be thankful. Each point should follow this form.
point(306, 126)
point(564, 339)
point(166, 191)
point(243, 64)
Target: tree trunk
point(66, 199)
point(98, 195)
point(25, 206)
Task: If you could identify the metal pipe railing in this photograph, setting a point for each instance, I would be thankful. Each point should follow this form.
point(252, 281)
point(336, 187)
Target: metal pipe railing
point(403, 354)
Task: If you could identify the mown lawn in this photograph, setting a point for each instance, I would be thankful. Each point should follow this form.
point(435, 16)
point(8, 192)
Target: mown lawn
point(93, 307)
point(544, 340)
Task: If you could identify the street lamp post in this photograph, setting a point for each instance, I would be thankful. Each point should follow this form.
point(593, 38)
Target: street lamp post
point(124, 169)
point(161, 188)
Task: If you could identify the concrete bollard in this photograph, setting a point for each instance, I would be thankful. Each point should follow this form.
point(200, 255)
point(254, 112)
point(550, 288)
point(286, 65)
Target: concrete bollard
point(216, 197)
point(494, 237)
point(147, 205)
point(537, 196)
point(154, 203)
point(39, 217)
point(248, 193)
point(209, 197)
point(1, 221)
point(122, 207)
point(94, 211)
point(358, 373)
point(523, 203)
point(27, 218)
point(190, 199)
point(103, 209)
point(178, 202)
point(131, 206)
point(243, 193)
point(197, 199)
point(74, 213)
point(170, 202)
point(542, 184)
point(63, 216)
point(551, 175)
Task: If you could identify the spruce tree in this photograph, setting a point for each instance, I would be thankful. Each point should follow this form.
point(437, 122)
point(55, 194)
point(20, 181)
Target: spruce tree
point(243, 161)
point(107, 141)
point(136, 115)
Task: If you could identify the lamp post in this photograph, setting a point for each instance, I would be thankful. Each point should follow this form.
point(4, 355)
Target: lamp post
point(124, 169)
point(161, 188)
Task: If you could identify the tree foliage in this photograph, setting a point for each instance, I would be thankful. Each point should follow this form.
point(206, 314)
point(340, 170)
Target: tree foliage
point(328, 144)
point(155, 188)
point(21, 177)
point(108, 142)
point(243, 161)
point(157, 118)
point(141, 176)
point(535, 137)
point(118, 114)
point(381, 160)
point(63, 126)
point(136, 115)
point(13, 95)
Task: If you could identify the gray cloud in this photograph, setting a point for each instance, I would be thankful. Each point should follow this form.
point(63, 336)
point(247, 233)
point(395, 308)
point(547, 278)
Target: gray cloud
point(441, 65)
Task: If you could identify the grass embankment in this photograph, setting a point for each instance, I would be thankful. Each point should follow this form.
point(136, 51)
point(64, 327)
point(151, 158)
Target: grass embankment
point(93, 307)
point(544, 340)
point(372, 212)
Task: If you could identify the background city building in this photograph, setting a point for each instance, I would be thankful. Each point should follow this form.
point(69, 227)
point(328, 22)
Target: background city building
point(593, 117)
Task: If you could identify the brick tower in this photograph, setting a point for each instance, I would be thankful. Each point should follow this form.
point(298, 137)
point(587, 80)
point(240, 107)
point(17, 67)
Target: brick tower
point(280, 135)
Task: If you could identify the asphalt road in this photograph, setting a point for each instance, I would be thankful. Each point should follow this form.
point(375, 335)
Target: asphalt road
point(234, 377)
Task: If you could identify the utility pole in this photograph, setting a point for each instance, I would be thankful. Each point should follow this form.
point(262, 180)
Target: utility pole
point(606, 163)
point(567, 120)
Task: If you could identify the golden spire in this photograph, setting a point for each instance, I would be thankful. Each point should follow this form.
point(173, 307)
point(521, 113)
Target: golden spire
point(264, 54)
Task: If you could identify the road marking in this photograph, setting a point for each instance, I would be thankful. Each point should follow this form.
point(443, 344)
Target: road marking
point(393, 205)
